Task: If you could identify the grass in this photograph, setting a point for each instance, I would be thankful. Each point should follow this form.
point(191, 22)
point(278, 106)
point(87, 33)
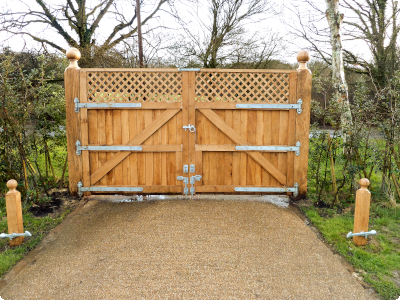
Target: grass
point(38, 226)
point(378, 261)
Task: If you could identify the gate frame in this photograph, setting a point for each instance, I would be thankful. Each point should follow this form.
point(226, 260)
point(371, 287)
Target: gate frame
point(75, 123)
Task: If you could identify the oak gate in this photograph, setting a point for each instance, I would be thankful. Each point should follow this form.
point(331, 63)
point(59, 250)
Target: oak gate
point(187, 131)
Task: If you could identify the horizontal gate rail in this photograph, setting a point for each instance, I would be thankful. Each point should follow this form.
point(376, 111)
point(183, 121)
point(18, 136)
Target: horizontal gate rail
point(273, 106)
point(82, 189)
point(294, 190)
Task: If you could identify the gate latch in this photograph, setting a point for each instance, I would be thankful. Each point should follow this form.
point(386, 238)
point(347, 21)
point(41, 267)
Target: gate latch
point(186, 182)
point(190, 127)
point(192, 180)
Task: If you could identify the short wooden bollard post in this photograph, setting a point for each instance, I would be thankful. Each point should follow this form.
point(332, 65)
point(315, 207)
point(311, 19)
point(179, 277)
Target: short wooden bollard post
point(361, 214)
point(14, 212)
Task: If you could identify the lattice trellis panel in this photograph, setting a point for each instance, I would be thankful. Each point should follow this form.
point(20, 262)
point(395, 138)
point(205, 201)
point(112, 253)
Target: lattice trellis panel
point(242, 87)
point(134, 86)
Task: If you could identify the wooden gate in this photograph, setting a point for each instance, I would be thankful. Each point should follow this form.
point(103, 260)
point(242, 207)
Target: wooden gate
point(189, 131)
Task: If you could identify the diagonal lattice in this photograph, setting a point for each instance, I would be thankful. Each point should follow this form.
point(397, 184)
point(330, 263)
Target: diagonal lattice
point(242, 87)
point(134, 86)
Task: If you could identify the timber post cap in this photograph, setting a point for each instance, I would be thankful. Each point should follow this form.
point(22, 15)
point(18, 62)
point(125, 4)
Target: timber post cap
point(12, 185)
point(303, 56)
point(73, 53)
point(364, 182)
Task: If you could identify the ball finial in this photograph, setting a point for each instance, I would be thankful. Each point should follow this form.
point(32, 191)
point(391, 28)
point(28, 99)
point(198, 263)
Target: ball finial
point(73, 55)
point(303, 57)
point(364, 182)
point(12, 184)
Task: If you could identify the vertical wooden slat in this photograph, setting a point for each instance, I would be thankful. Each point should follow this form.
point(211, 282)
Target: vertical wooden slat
point(148, 119)
point(93, 139)
point(157, 155)
point(217, 167)
point(236, 155)
point(141, 157)
point(185, 121)
point(164, 168)
point(126, 176)
point(251, 138)
point(259, 141)
point(266, 177)
point(109, 141)
point(243, 156)
point(117, 135)
point(179, 132)
point(72, 83)
point(192, 121)
point(291, 128)
point(101, 139)
point(133, 157)
point(304, 81)
point(274, 141)
point(171, 157)
point(84, 132)
point(228, 156)
point(200, 140)
point(283, 140)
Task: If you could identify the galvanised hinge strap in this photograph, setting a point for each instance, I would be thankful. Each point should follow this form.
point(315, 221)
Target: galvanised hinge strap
point(273, 106)
point(104, 105)
point(79, 148)
point(294, 190)
point(296, 148)
point(186, 182)
point(82, 189)
point(189, 69)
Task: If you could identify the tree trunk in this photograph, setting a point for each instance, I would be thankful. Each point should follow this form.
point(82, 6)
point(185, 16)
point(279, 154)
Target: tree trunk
point(335, 19)
point(139, 31)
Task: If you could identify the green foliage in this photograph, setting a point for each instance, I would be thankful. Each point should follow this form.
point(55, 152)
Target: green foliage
point(379, 259)
point(32, 121)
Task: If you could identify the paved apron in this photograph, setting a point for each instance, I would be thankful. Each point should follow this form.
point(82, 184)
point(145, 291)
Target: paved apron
point(184, 250)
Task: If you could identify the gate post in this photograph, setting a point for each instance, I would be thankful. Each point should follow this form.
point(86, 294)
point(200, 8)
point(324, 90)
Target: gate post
point(71, 82)
point(14, 212)
point(361, 212)
point(304, 81)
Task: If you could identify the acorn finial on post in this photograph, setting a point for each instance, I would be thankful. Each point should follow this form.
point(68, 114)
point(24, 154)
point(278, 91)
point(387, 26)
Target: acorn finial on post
point(303, 57)
point(361, 214)
point(73, 55)
point(14, 212)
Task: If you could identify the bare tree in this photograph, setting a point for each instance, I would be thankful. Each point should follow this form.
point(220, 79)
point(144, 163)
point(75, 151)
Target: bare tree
point(223, 38)
point(77, 23)
point(341, 95)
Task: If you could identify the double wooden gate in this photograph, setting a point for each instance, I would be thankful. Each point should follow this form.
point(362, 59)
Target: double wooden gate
point(186, 132)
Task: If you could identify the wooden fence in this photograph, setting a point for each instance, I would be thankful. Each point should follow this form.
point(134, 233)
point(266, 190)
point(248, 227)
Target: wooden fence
point(187, 131)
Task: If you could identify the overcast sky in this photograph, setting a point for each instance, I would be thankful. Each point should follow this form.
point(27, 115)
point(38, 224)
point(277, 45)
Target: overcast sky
point(283, 24)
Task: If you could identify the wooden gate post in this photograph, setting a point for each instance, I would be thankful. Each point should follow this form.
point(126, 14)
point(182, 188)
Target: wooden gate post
point(361, 214)
point(304, 79)
point(71, 82)
point(14, 212)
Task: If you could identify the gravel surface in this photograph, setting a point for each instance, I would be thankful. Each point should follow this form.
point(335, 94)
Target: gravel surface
point(184, 249)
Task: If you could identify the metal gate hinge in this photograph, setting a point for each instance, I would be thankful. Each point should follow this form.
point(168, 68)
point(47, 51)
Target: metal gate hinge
point(299, 102)
point(186, 182)
point(192, 181)
point(78, 148)
point(76, 101)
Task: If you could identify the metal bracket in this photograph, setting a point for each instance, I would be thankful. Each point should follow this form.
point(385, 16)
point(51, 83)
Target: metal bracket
point(186, 182)
point(189, 69)
point(99, 105)
point(185, 169)
point(190, 127)
point(78, 148)
point(192, 169)
point(12, 236)
point(82, 189)
point(273, 106)
point(362, 233)
point(271, 148)
point(294, 190)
